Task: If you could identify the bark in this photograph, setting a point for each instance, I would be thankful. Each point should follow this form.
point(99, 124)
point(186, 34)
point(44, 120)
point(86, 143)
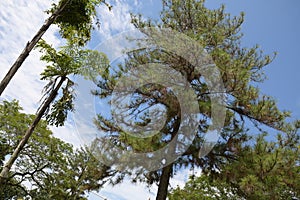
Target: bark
point(167, 171)
point(30, 45)
point(22, 143)
point(164, 183)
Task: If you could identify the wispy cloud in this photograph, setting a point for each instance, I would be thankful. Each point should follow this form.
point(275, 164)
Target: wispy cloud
point(128, 191)
point(115, 21)
point(19, 22)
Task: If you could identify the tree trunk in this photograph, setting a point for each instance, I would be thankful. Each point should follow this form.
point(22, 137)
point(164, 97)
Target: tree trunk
point(14, 156)
point(30, 45)
point(164, 180)
point(164, 183)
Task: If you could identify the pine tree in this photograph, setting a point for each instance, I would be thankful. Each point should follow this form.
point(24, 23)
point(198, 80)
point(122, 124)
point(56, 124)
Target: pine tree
point(262, 170)
point(240, 68)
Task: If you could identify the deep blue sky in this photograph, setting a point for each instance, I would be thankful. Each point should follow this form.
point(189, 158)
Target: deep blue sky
point(275, 26)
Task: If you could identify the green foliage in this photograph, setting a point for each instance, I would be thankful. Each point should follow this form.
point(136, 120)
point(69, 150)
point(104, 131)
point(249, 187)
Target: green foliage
point(241, 68)
point(70, 60)
point(266, 169)
point(76, 19)
point(95, 64)
point(60, 108)
point(206, 188)
point(263, 170)
point(38, 165)
point(52, 167)
point(62, 63)
point(86, 172)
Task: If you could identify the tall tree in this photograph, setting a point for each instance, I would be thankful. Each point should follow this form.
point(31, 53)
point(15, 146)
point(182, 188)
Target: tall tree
point(47, 168)
point(219, 34)
point(74, 18)
point(71, 60)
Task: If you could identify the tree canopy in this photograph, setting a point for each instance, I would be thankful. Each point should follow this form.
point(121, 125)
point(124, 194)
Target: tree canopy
point(47, 168)
point(240, 68)
point(263, 170)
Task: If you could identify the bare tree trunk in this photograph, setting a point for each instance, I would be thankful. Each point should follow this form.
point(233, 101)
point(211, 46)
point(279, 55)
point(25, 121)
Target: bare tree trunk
point(167, 171)
point(30, 45)
point(164, 183)
point(14, 156)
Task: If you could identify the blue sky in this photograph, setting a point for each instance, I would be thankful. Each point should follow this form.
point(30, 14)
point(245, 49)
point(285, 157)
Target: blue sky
point(273, 24)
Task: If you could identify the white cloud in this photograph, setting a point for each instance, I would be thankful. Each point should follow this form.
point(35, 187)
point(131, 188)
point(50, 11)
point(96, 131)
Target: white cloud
point(19, 22)
point(115, 21)
point(130, 191)
point(127, 191)
point(182, 176)
point(67, 133)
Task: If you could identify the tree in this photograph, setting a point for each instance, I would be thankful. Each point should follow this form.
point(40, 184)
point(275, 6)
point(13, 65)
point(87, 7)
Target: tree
point(206, 188)
point(267, 169)
point(240, 68)
point(74, 18)
point(52, 168)
point(71, 60)
point(263, 170)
